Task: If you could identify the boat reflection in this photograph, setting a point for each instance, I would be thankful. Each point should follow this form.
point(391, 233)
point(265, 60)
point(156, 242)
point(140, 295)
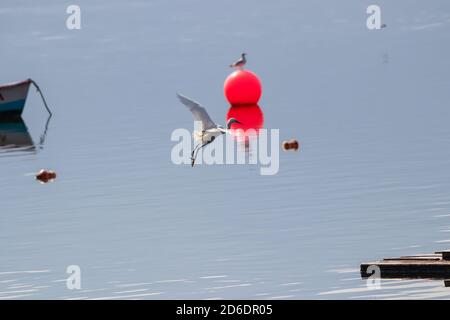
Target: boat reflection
point(14, 136)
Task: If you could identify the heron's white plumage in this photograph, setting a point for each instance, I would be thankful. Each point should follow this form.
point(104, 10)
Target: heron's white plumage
point(199, 112)
point(209, 130)
point(205, 136)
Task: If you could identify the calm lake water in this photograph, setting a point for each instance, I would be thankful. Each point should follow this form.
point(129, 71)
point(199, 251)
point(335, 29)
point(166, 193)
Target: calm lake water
point(372, 180)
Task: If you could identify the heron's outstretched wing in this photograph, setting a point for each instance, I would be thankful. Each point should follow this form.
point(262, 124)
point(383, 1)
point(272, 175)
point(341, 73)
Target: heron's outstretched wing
point(198, 111)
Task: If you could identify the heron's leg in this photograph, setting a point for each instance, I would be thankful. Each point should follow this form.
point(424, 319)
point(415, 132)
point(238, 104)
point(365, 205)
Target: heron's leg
point(192, 153)
point(198, 149)
point(194, 157)
point(203, 145)
point(195, 151)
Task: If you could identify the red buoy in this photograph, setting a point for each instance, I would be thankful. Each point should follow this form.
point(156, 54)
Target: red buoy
point(242, 87)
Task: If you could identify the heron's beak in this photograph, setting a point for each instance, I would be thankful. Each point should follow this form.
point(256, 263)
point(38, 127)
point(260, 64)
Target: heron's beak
point(238, 122)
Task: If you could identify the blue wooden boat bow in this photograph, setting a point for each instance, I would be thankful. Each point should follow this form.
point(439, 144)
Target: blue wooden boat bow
point(13, 97)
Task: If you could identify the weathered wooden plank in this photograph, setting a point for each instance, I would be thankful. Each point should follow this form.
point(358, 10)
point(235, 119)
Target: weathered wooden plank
point(410, 269)
point(433, 266)
point(431, 257)
point(445, 254)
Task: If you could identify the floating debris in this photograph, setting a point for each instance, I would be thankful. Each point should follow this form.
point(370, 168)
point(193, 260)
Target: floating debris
point(45, 176)
point(290, 145)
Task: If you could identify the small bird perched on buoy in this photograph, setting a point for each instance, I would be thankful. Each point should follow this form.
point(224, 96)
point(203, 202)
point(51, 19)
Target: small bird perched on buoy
point(240, 63)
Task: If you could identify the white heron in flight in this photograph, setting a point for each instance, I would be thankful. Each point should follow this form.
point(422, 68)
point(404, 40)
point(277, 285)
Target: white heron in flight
point(209, 130)
point(240, 63)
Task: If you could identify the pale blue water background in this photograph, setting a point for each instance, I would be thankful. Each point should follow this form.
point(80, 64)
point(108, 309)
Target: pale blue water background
point(372, 180)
